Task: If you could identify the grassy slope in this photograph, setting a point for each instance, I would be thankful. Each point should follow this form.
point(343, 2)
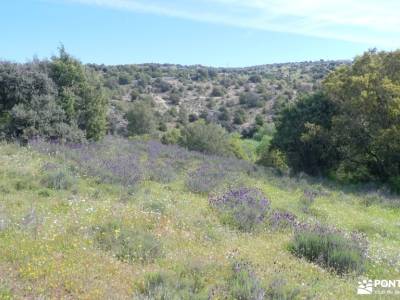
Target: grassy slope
point(55, 256)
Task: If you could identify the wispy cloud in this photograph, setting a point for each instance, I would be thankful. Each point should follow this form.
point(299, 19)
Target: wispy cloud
point(373, 22)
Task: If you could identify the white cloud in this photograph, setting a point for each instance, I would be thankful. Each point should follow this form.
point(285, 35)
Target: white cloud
point(373, 22)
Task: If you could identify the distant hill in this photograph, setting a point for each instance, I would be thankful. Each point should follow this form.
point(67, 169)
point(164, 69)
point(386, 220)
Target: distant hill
point(232, 97)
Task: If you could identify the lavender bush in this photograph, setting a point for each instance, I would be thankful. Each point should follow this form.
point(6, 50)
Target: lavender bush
point(244, 284)
point(205, 178)
point(330, 247)
point(307, 200)
point(282, 220)
point(244, 208)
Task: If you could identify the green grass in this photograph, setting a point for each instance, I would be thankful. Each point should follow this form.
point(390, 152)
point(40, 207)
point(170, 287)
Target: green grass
point(49, 249)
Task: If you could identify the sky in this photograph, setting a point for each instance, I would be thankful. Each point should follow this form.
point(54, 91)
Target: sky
point(224, 33)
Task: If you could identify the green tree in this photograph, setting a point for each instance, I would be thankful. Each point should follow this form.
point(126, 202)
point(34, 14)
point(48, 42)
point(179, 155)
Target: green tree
point(141, 119)
point(42, 116)
point(367, 127)
point(95, 113)
point(207, 138)
point(80, 94)
point(302, 135)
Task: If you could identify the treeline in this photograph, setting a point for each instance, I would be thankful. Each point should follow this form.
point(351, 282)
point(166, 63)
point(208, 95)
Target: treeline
point(57, 99)
point(350, 130)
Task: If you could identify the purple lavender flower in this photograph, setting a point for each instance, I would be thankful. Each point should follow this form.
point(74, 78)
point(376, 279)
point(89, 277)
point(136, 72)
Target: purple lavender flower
point(282, 219)
point(243, 207)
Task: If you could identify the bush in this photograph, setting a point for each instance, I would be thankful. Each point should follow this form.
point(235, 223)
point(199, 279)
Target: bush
point(279, 290)
point(307, 200)
point(250, 99)
point(59, 179)
point(160, 172)
point(243, 284)
point(244, 208)
point(255, 78)
point(236, 147)
point(124, 79)
point(217, 91)
point(280, 220)
point(330, 248)
point(274, 159)
point(207, 138)
point(205, 178)
point(165, 285)
point(175, 98)
point(161, 86)
point(224, 114)
point(134, 95)
point(126, 244)
point(171, 137)
point(141, 120)
point(239, 117)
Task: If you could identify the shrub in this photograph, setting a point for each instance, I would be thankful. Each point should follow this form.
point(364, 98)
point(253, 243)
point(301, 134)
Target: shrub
point(217, 91)
point(165, 285)
point(244, 208)
point(126, 244)
point(224, 114)
point(134, 95)
point(307, 200)
point(171, 137)
point(161, 86)
point(250, 99)
point(205, 178)
point(175, 97)
point(162, 126)
point(239, 117)
point(141, 120)
point(274, 159)
point(330, 248)
point(281, 220)
point(193, 118)
point(243, 284)
point(160, 172)
point(255, 78)
point(124, 79)
point(236, 147)
point(278, 290)
point(207, 138)
point(59, 179)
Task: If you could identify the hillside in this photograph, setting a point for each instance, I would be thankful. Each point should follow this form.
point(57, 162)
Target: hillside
point(123, 220)
point(232, 97)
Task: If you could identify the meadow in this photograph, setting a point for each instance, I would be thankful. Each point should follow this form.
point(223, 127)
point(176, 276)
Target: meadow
point(121, 219)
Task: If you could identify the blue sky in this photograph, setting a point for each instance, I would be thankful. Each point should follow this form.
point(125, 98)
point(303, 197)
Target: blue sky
point(209, 32)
